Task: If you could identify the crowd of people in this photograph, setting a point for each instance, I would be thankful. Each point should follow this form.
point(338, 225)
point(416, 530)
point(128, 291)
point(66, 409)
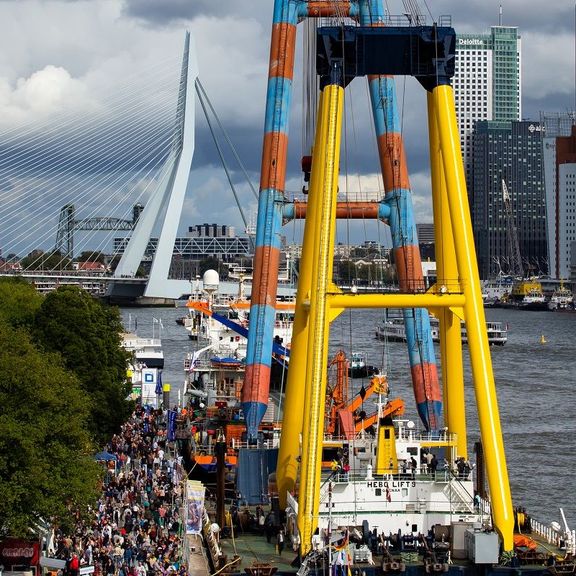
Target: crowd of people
point(136, 527)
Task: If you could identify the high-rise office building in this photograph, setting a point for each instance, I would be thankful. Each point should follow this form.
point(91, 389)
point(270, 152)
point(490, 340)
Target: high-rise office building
point(509, 151)
point(559, 150)
point(487, 83)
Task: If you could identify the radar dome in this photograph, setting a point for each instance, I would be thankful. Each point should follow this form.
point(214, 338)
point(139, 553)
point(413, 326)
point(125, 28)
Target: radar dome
point(211, 280)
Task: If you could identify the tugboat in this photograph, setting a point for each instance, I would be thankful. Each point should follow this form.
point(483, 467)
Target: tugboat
point(527, 295)
point(562, 299)
point(359, 367)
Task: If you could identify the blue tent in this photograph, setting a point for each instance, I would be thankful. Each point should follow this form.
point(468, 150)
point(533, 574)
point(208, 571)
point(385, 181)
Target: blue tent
point(105, 456)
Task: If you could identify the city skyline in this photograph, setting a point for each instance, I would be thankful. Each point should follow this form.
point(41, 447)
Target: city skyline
point(45, 66)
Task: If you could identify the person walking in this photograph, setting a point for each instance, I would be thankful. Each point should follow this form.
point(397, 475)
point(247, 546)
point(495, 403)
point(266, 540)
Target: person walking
point(280, 541)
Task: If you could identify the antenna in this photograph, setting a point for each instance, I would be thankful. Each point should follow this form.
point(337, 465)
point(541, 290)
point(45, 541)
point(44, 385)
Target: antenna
point(500, 16)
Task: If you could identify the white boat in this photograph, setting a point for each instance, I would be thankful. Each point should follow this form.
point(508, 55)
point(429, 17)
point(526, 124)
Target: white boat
point(495, 290)
point(145, 367)
point(562, 299)
point(527, 295)
point(146, 352)
point(403, 481)
point(392, 329)
point(214, 317)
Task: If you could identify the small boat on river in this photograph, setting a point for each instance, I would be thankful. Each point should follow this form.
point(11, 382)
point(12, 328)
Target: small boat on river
point(393, 329)
point(562, 299)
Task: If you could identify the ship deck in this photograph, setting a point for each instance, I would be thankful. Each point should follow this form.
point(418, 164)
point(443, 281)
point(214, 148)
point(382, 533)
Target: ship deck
point(254, 549)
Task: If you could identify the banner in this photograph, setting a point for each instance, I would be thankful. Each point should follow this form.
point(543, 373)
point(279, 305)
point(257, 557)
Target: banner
point(194, 506)
point(149, 383)
point(159, 384)
point(15, 552)
point(171, 434)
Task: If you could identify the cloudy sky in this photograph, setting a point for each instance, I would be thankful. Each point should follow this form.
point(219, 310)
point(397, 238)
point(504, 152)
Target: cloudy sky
point(55, 53)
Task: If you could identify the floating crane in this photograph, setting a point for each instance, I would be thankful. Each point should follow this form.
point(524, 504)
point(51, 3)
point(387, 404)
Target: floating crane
point(378, 51)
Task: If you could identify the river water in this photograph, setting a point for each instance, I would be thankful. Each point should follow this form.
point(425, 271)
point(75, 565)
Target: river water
point(535, 384)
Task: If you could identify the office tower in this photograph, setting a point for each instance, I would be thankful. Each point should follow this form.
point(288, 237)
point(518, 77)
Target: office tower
point(559, 150)
point(486, 83)
point(509, 151)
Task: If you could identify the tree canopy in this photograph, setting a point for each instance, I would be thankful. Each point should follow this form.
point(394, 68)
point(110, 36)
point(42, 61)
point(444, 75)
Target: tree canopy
point(90, 256)
point(46, 464)
point(63, 391)
point(87, 335)
point(38, 260)
point(19, 302)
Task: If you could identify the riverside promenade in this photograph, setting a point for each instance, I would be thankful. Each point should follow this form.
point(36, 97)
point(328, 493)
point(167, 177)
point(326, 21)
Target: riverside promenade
point(137, 526)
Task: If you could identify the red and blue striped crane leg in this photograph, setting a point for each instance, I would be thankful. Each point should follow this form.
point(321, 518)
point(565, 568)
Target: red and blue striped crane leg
point(268, 228)
point(403, 229)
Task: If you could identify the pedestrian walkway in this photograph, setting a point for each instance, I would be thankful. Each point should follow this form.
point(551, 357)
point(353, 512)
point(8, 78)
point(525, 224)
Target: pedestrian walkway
point(137, 527)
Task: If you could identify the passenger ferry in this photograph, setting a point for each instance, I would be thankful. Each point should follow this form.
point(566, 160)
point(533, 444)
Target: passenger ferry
point(393, 329)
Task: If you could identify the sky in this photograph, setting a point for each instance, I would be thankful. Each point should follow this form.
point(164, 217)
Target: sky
point(57, 53)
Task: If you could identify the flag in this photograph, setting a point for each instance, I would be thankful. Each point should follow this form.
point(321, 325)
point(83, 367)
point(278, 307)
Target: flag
point(171, 435)
point(159, 388)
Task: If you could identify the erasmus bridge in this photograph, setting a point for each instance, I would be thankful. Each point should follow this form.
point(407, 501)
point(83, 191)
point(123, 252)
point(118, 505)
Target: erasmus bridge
point(127, 156)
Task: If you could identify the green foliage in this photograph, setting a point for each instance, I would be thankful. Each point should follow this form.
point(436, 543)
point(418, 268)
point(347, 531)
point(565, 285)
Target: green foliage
point(87, 335)
point(38, 260)
point(92, 257)
point(19, 301)
point(345, 271)
point(46, 465)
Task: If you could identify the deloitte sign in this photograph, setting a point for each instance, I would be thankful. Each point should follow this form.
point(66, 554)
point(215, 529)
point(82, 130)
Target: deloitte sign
point(470, 42)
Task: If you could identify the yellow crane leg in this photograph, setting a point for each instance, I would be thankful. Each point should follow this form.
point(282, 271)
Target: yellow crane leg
point(451, 358)
point(319, 316)
point(488, 415)
point(289, 451)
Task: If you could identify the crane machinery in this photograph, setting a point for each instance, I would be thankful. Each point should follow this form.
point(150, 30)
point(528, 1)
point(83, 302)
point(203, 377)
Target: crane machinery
point(513, 246)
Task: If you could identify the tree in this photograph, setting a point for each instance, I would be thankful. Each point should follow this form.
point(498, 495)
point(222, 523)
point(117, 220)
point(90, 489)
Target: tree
point(38, 260)
point(90, 256)
point(345, 271)
point(19, 301)
point(46, 464)
point(87, 335)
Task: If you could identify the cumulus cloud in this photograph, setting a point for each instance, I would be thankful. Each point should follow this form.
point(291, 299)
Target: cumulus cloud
point(44, 93)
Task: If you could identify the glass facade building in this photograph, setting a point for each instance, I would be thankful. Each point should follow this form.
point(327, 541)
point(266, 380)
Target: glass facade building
point(559, 150)
point(487, 83)
point(509, 151)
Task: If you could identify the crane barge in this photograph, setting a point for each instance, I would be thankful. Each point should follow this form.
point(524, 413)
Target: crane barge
point(382, 490)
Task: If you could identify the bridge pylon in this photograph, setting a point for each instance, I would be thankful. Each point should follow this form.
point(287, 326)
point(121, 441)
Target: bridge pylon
point(164, 207)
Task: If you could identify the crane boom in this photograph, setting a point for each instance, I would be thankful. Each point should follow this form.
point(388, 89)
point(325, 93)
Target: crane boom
point(513, 246)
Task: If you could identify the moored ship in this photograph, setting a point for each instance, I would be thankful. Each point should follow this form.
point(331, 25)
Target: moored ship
point(392, 329)
point(377, 501)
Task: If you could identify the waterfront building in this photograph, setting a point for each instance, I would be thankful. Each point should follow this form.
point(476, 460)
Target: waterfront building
point(487, 83)
point(559, 152)
point(426, 243)
point(509, 151)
